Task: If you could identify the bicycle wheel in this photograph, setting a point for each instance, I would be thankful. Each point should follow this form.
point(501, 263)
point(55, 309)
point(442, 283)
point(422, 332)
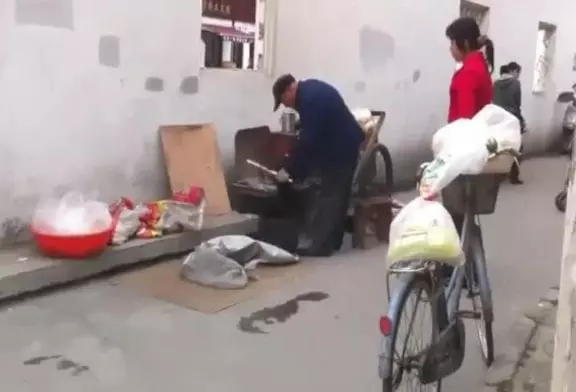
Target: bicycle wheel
point(401, 359)
point(374, 172)
point(481, 296)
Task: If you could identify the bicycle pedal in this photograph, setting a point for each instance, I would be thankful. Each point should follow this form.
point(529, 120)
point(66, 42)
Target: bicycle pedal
point(470, 314)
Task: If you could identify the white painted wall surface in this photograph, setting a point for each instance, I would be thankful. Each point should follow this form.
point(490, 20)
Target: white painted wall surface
point(390, 56)
point(513, 24)
point(394, 56)
point(68, 122)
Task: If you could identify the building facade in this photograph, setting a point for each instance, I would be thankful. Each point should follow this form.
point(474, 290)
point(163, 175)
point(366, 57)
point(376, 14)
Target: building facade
point(84, 84)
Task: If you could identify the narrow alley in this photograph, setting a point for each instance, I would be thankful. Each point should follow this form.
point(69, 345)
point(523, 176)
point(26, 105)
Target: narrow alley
point(102, 337)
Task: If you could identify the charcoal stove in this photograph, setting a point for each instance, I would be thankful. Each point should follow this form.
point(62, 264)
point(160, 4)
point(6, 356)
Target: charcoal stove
point(279, 206)
point(283, 209)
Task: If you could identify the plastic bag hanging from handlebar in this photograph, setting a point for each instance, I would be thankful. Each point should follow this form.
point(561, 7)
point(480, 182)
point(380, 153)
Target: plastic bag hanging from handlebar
point(424, 230)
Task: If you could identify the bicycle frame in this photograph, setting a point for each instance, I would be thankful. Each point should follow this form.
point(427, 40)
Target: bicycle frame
point(469, 226)
point(446, 355)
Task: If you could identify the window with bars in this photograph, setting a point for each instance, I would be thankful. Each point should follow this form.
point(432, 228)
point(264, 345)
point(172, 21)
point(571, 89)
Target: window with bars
point(545, 42)
point(234, 33)
point(478, 12)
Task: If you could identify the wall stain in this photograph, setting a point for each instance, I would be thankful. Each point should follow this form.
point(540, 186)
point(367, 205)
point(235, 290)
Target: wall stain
point(279, 313)
point(154, 84)
point(53, 13)
point(14, 230)
point(360, 86)
point(416, 75)
point(189, 85)
point(66, 364)
point(109, 51)
point(377, 48)
point(63, 364)
point(39, 360)
point(505, 386)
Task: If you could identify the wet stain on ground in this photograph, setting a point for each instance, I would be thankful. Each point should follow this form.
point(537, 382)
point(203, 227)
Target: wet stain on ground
point(76, 368)
point(39, 360)
point(63, 364)
point(279, 313)
point(505, 386)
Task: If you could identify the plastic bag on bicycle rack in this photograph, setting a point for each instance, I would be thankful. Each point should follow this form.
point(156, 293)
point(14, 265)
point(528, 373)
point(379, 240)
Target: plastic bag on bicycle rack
point(424, 230)
point(459, 148)
point(500, 125)
point(492, 122)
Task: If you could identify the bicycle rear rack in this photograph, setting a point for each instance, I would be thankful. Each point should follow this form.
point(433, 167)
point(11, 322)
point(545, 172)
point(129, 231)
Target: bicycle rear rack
point(410, 266)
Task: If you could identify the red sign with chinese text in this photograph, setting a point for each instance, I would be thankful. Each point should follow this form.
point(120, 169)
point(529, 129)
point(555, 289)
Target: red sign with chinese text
point(236, 10)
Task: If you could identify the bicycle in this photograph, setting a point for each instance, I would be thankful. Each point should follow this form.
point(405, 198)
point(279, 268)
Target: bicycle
point(470, 196)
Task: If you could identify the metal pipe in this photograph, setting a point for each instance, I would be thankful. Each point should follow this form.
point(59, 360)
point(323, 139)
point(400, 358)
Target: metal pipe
point(264, 168)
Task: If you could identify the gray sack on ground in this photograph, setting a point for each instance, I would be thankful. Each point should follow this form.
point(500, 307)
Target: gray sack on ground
point(226, 262)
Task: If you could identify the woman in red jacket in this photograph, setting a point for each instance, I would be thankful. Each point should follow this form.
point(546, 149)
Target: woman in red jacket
point(471, 87)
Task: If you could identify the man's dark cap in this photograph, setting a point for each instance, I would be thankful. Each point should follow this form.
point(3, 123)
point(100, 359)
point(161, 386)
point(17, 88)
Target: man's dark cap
point(279, 87)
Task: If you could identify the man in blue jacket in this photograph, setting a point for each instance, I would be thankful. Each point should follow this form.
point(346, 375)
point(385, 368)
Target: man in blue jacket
point(328, 147)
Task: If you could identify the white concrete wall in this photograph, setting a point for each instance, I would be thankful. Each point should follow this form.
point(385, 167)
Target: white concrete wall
point(69, 121)
point(564, 362)
point(74, 113)
point(390, 55)
point(513, 24)
point(394, 56)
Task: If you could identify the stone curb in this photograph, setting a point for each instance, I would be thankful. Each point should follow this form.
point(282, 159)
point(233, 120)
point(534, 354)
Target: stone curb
point(24, 271)
point(500, 375)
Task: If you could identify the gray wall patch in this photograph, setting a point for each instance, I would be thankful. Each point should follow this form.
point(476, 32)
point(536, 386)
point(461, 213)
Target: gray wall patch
point(51, 13)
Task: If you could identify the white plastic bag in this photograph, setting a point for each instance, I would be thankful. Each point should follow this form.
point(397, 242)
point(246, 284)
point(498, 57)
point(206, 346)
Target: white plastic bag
point(365, 119)
point(362, 115)
point(448, 165)
point(459, 148)
point(492, 122)
point(458, 135)
point(72, 215)
point(424, 230)
point(501, 125)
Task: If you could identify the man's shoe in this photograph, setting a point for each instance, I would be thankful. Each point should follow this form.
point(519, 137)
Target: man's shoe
point(516, 181)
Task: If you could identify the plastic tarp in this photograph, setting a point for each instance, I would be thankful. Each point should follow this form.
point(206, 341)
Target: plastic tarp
point(226, 262)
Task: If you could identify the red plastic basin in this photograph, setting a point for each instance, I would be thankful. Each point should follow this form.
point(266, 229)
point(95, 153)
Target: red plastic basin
point(72, 246)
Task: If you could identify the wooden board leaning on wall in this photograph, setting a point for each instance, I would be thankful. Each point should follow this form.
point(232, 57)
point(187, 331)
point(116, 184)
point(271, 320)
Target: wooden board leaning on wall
point(192, 157)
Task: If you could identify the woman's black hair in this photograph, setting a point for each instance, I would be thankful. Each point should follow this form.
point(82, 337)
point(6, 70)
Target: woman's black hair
point(514, 66)
point(504, 69)
point(466, 35)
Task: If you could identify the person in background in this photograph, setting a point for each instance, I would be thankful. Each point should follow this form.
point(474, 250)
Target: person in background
point(328, 147)
point(508, 95)
point(471, 85)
